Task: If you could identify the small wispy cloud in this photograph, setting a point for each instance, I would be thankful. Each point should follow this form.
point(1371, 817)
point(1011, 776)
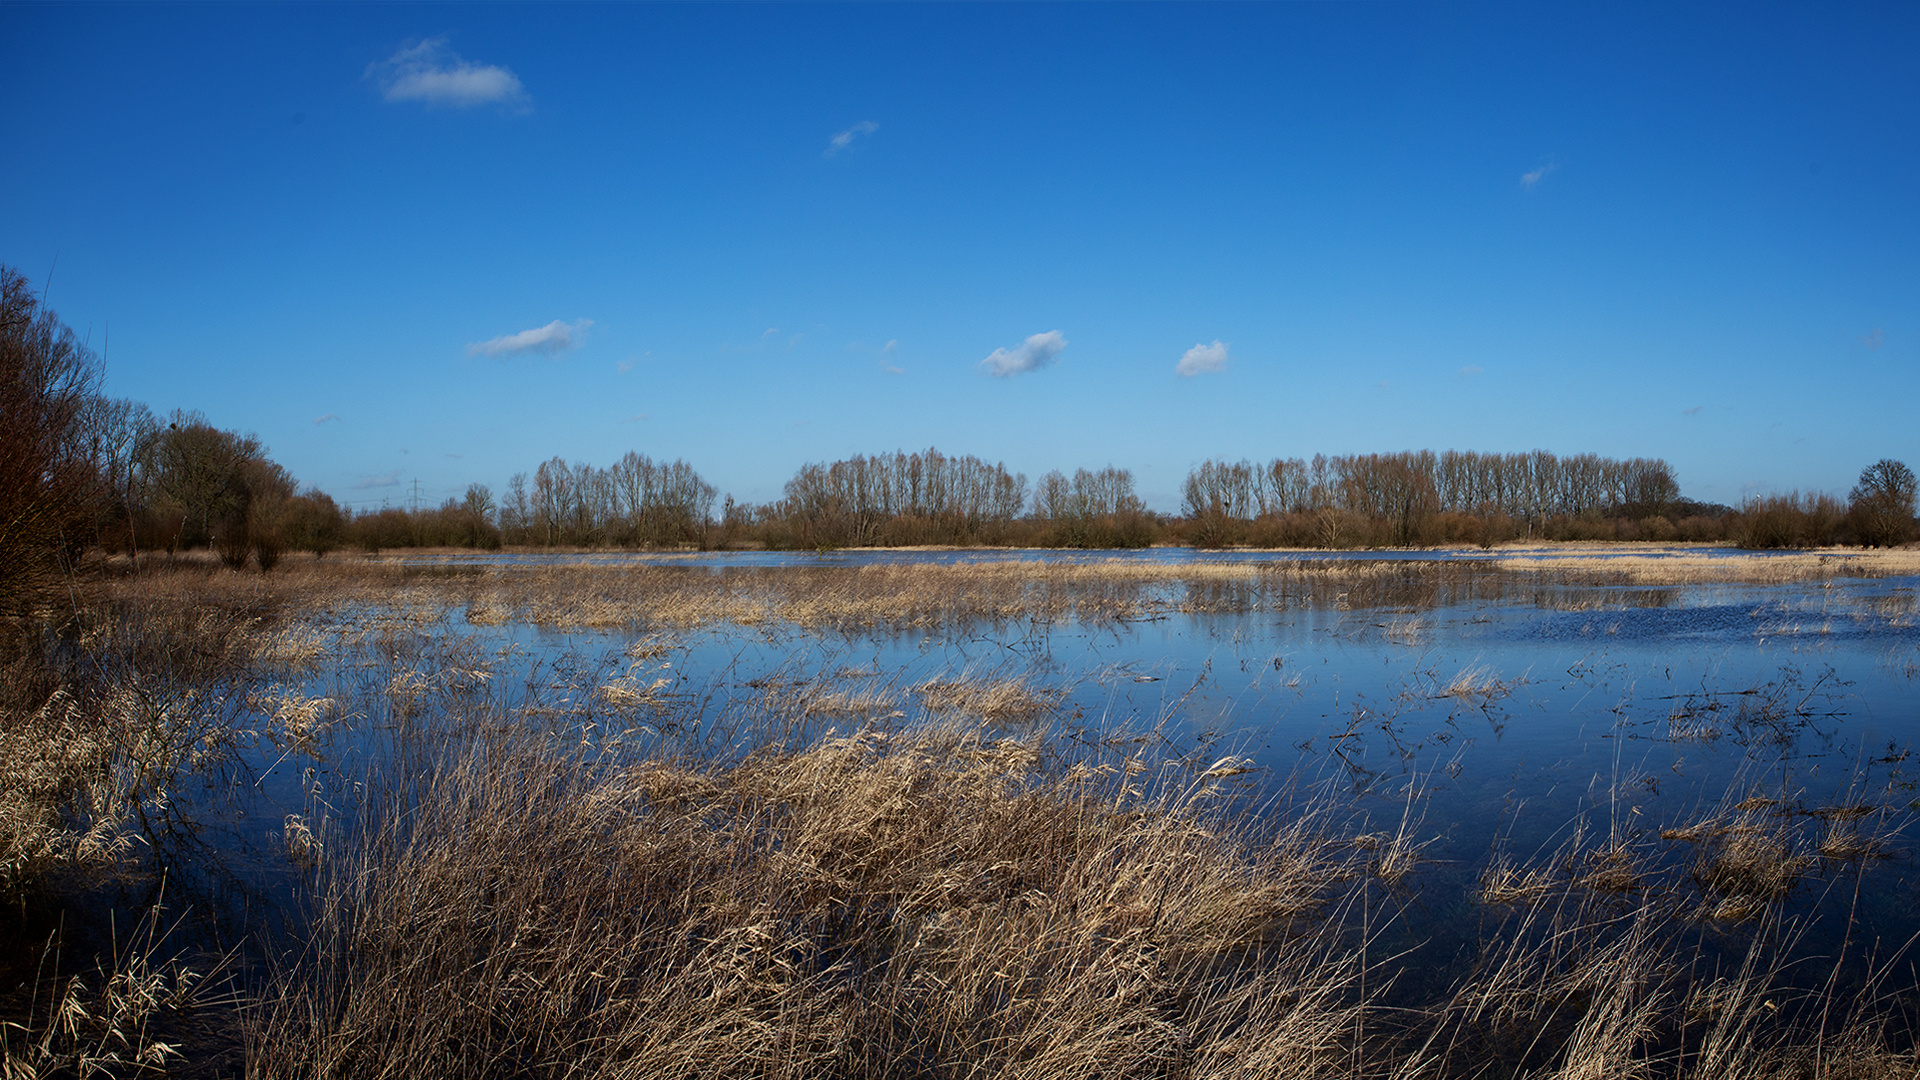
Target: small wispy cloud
point(1036, 352)
point(1529, 179)
point(769, 332)
point(1875, 339)
point(555, 337)
point(891, 347)
point(892, 369)
point(845, 139)
point(1470, 370)
point(1202, 358)
point(391, 479)
point(635, 418)
point(318, 420)
point(434, 75)
point(1695, 411)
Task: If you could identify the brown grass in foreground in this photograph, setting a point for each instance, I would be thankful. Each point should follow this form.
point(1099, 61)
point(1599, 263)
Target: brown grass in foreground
point(938, 903)
point(876, 905)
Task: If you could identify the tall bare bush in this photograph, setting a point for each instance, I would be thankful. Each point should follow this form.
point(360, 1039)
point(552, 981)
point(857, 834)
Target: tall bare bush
point(50, 488)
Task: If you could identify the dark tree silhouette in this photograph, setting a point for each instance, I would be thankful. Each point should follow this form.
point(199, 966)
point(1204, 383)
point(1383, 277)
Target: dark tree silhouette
point(1883, 503)
point(51, 491)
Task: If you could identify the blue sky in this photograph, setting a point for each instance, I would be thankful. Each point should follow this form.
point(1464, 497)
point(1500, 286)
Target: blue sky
point(444, 243)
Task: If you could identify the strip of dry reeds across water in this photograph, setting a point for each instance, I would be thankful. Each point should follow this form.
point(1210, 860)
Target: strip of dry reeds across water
point(921, 595)
point(544, 885)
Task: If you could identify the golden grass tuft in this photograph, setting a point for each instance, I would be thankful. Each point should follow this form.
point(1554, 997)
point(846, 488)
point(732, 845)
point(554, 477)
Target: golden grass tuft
point(999, 700)
point(926, 904)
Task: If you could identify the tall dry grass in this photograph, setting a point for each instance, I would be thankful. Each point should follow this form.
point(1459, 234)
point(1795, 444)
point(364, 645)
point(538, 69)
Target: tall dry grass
point(932, 901)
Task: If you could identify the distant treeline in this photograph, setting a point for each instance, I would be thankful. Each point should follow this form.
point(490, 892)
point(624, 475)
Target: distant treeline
point(1409, 498)
point(1420, 497)
point(633, 502)
point(80, 470)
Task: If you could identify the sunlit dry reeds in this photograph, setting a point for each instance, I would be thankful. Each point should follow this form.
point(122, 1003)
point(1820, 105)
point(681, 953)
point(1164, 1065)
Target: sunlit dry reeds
point(927, 904)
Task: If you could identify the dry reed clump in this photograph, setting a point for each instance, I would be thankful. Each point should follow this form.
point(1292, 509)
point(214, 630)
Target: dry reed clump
point(997, 700)
point(1479, 686)
point(298, 720)
point(97, 733)
point(1507, 883)
point(129, 1016)
point(1593, 968)
point(56, 809)
point(294, 649)
point(925, 904)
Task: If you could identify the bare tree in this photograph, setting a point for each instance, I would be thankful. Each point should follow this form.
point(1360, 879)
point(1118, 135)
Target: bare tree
point(1883, 503)
point(50, 487)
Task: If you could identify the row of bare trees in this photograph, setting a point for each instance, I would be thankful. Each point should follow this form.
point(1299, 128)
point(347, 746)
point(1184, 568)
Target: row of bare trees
point(928, 497)
point(632, 502)
point(898, 498)
point(1527, 486)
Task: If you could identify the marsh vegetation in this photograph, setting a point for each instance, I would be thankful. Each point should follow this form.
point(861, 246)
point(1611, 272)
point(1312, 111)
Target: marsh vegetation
point(1016, 818)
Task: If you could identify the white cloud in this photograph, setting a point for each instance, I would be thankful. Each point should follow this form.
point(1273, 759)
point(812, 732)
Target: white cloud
point(433, 74)
point(1030, 355)
point(845, 139)
point(1470, 370)
point(634, 418)
point(1528, 179)
point(391, 479)
point(624, 366)
point(555, 337)
point(1875, 339)
point(891, 347)
point(1202, 358)
point(318, 420)
point(1695, 411)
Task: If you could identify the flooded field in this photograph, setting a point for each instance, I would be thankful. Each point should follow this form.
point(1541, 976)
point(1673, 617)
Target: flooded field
point(1490, 784)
